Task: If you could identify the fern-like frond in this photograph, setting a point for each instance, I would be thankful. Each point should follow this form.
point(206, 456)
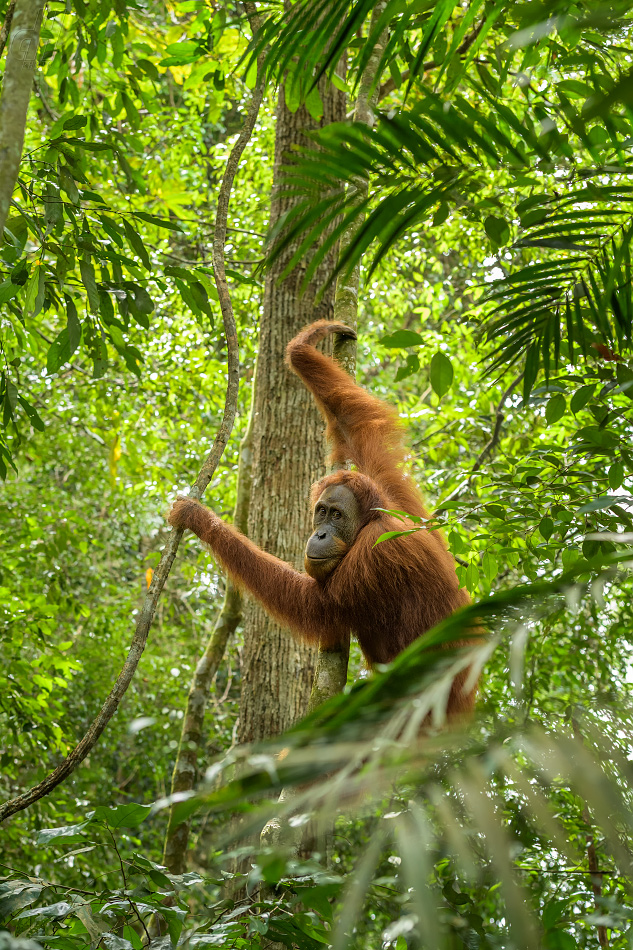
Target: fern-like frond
point(582, 294)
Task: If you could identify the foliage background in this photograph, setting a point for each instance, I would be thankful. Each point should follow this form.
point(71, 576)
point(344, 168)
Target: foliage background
point(501, 230)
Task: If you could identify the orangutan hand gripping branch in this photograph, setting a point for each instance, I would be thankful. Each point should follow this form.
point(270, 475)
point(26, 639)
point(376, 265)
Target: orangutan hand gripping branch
point(387, 595)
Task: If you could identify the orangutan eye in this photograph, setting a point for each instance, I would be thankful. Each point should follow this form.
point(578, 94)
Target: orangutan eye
point(320, 510)
point(336, 514)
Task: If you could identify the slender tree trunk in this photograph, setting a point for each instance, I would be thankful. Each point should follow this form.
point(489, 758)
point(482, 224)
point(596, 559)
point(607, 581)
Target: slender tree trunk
point(288, 454)
point(186, 767)
point(331, 669)
point(15, 94)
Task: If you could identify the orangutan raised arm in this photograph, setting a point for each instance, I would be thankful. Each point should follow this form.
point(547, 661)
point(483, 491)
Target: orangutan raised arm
point(387, 594)
point(361, 428)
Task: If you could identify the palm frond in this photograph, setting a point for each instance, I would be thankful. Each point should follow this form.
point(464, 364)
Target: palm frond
point(583, 294)
point(447, 792)
point(302, 45)
point(416, 159)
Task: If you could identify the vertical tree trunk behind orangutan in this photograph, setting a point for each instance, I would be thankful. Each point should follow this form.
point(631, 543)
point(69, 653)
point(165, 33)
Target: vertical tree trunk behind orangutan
point(288, 455)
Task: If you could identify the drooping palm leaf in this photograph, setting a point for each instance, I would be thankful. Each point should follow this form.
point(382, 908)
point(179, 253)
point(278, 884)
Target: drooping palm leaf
point(574, 277)
point(302, 44)
point(583, 293)
point(445, 787)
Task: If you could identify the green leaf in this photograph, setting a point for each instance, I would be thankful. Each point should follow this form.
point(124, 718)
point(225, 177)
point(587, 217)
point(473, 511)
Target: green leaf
point(148, 68)
point(546, 528)
point(552, 912)
point(490, 566)
point(412, 366)
point(393, 534)
point(598, 504)
point(471, 579)
point(10, 397)
point(56, 911)
point(35, 292)
point(32, 414)
point(113, 942)
point(131, 111)
point(616, 474)
point(116, 336)
point(53, 205)
point(67, 182)
point(122, 816)
point(442, 213)
point(87, 271)
point(159, 222)
point(75, 122)
point(314, 105)
point(496, 229)
point(8, 290)
point(136, 243)
point(46, 836)
point(555, 409)
point(590, 548)
point(291, 95)
point(401, 339)
point(73, 324)
point(441, 374)
point(142, 300)
point(581, 397)
point(17, 894)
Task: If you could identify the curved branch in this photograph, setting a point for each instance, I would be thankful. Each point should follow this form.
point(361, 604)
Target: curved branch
point(84, 746)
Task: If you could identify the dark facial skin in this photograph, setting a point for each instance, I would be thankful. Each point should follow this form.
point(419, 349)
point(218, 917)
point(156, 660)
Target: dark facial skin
point(336, 523)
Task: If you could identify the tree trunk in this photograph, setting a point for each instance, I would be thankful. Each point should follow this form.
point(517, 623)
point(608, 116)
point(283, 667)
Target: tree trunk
point(331, 668)
point(288, 455)
point(17, 83)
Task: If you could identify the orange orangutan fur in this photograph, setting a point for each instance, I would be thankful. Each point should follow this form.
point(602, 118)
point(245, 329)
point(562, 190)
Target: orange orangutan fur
point(387, 595)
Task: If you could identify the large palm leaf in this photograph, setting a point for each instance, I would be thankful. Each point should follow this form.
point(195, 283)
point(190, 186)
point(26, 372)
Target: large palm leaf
point(447, 793)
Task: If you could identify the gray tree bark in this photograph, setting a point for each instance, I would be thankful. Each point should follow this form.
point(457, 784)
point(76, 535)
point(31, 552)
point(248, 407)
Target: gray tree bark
point(288, 455)
point(15, 94)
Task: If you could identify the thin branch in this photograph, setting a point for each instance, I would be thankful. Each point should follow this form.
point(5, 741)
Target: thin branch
point(488, 448)
point(38, 82)
point(205, 475)
point(6, 26)
point(231, 260)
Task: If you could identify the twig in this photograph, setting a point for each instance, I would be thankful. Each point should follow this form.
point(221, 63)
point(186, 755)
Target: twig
point(6, 26)
point(487, 449)
point(205, 475)
point(15, 95)
point(231, 260)
point(37, 85)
